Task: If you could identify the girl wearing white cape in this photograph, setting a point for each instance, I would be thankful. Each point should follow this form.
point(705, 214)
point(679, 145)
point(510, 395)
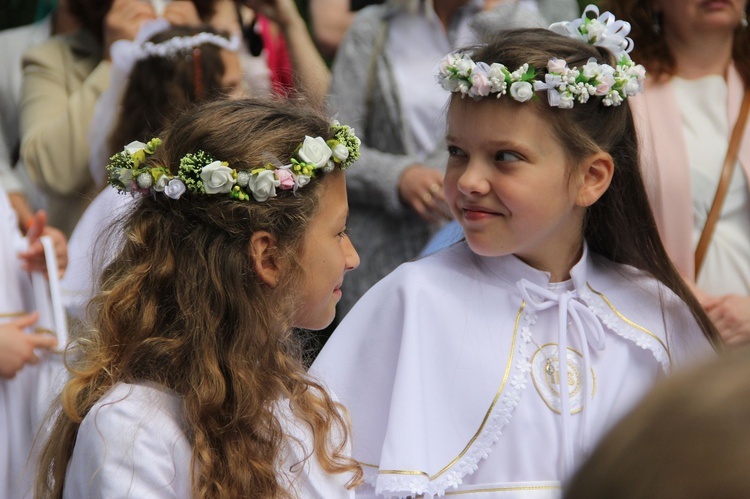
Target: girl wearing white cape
point(450, 366)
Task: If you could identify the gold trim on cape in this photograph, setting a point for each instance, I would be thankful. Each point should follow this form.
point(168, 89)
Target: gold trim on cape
point(629, 322)
point(486, 416)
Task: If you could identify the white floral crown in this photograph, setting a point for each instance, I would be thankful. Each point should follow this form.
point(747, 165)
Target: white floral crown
point(184, 45)
point(200, 173)
point(457, 72)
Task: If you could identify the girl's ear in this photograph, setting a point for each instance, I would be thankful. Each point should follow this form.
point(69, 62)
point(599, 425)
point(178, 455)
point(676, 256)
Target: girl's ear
point(265, 257)
point(595, 176)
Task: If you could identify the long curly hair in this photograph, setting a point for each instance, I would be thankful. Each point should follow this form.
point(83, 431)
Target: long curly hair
point(651, 48)
point(182, 305)
point(620, 225)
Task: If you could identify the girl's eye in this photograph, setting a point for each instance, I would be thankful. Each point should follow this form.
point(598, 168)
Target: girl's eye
point(506, 157)
point(455, 151)
point(343, 234)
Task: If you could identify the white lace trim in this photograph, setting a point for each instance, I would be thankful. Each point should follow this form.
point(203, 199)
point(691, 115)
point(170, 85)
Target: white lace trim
point(400, 485)
point(615, 323)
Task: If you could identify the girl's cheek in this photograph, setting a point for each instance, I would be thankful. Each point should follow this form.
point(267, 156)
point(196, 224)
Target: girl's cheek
point(449, 189)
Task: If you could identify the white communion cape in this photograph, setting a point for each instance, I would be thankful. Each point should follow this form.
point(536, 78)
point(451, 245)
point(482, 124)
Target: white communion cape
point(449, 368)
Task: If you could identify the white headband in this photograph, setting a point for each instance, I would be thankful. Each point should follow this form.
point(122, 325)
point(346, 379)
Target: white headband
point(185, 44)
point(125, 53)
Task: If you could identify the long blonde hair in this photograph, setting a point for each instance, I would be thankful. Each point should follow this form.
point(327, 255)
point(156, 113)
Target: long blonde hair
point(181, 305)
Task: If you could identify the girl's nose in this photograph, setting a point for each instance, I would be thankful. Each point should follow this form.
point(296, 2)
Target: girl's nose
point(351, 257)
point(474, 180)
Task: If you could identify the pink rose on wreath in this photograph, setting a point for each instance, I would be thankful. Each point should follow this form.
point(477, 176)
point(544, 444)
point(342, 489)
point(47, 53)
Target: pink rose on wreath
point(480, 81)
point(286, 180)
point(556, 65)
point(606, 84)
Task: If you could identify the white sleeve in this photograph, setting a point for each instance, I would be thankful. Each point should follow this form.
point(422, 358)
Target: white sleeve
point(300, 470)
point(126, 449)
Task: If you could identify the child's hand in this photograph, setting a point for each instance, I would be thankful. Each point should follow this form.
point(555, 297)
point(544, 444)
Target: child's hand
point(421, 188)
point(33, 258)
point(731, 316)
point(17, 347)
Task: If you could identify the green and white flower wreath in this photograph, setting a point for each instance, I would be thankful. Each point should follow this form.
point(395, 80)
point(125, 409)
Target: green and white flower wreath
point(201, 173)
point(457, 72)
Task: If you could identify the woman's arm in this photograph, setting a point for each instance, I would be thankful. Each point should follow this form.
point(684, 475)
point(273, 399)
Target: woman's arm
point(311, 74)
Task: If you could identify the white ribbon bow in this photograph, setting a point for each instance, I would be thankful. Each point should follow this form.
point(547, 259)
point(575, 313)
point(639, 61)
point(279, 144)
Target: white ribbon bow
point(607, 32)
point(591, 337)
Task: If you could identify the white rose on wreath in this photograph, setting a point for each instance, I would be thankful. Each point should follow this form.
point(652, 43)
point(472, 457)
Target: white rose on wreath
point(340, 152)
point(161, 183)
point(315, 151)
point(263, 185)
point(175, 188)
point(301, 181)
point(134, 147)
point(521, 91)
point(217, 178)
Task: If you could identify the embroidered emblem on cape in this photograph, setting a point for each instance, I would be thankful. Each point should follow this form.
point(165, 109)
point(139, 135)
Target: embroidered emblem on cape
point(545, 373)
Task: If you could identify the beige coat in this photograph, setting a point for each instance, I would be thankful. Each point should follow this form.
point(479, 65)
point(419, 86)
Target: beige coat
point(666, 168)
point(62, 79)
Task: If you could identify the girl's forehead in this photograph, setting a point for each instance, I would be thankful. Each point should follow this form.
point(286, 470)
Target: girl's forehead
point(490, 122)
point(490, 113)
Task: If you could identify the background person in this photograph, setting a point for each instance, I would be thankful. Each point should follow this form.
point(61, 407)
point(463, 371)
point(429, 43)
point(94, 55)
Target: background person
point(698, 56)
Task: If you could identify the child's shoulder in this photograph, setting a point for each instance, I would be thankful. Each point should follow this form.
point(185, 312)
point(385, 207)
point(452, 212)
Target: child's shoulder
point(138, 406)
point(131, 444)
point(626, 280)
point(448, 270)
point(643, 308)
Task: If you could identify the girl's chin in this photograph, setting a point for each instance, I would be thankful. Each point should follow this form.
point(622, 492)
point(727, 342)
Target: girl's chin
point(483, 248)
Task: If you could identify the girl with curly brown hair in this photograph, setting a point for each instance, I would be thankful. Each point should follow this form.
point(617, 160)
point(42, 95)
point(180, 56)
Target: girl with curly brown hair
point(191, 382)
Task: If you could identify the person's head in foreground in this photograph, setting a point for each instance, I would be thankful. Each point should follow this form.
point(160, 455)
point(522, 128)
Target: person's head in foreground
point(688, 439)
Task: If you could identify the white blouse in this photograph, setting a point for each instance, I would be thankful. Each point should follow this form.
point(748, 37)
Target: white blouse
point(416, 43)
point(703, 106)
point(132, 443)
point(450, 370)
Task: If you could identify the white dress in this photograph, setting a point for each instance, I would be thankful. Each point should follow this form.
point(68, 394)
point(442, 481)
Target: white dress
point(450, 372)
point(132, 444)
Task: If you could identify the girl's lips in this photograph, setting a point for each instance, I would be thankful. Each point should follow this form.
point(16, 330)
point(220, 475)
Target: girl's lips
point(479, 208)
point(478, 213)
